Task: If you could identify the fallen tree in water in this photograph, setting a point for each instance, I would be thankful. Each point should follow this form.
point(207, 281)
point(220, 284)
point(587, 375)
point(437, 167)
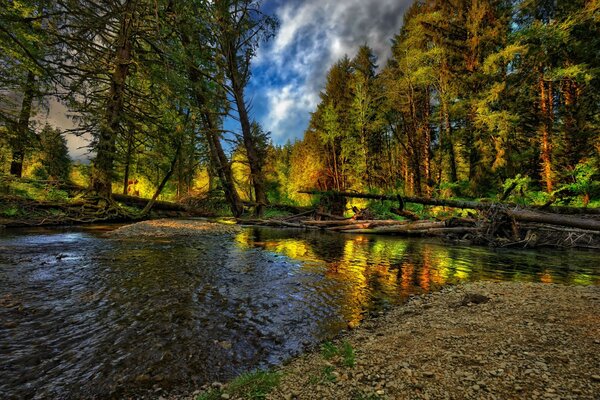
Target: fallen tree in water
point(496, 224)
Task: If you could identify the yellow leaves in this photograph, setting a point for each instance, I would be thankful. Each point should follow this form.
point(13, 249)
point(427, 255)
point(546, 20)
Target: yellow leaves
point(499, 60)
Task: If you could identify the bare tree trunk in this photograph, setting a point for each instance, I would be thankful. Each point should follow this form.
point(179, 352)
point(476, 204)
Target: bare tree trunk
point(256, 173)
point(218, 160)
point(128, 154)
point(162, 184)
point(426, 144)
point(546, 130)
point(22, 127)
point(222, 166)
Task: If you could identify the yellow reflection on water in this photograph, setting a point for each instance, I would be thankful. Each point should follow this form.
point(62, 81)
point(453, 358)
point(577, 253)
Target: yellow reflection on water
point(546, 277)
point(365, 267)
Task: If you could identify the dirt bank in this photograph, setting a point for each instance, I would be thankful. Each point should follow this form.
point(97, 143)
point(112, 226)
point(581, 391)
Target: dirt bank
point(172, 227)
point(521, 341)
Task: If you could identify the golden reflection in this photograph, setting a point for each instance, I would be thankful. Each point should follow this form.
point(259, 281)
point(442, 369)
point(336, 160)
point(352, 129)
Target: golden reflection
point(546, 277)
point(363, 268)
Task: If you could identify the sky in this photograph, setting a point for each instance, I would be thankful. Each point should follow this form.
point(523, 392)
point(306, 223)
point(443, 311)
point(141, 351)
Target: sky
point(289, 71)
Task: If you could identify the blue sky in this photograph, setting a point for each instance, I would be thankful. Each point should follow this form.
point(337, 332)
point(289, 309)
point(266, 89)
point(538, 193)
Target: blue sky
point(290, 70)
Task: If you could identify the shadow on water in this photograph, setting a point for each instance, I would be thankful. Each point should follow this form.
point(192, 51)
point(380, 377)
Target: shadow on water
point(86, 316)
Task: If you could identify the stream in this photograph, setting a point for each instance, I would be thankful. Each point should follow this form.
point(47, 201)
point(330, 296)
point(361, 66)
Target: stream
point(85, 316)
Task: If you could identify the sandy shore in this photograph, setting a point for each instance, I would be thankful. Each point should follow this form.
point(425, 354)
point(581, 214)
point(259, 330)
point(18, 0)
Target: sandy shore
point(515, 341)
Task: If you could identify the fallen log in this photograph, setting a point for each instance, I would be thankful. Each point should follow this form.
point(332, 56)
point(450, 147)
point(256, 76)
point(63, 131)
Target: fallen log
point(376, 224)
point(325, 224)
point(434, 231)
point(466, 204)
point(398, 228)
point(554, 219)
point(274, 223)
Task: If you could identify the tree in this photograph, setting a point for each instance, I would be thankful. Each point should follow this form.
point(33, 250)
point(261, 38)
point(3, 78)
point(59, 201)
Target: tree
point(55, 154)
point(23, 44)
point(239, 26)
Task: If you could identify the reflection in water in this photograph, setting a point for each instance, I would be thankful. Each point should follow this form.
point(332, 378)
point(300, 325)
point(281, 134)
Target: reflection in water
point(371, 271)
point(82, 316)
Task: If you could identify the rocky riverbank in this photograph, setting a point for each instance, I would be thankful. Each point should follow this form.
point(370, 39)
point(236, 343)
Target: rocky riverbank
point(161, 228)
point(474, 341)
point(481, 340)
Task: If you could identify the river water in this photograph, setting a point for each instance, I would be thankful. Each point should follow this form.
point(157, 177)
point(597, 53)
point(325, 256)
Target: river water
point(85, 316)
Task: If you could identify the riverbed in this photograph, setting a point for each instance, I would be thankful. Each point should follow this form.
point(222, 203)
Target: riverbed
point(83, 315)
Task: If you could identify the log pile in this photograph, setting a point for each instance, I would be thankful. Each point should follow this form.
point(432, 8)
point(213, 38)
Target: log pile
point(495, 224)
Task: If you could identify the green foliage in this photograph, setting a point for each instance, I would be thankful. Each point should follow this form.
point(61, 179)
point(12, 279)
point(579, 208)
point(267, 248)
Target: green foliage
point(344, 353)
point(55, 154)
point(57, 195)
point(40, 172)
point(519, 186)
point(329, 350)
point(366, 396)
point(9, 212)
point(252, 385)
point(381, 209)
point(585, 181)
point(327, 374)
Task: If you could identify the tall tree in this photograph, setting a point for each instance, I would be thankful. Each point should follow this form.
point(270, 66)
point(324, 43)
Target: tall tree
point(239, 26)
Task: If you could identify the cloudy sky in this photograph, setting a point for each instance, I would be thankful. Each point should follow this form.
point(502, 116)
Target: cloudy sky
point(289, 71)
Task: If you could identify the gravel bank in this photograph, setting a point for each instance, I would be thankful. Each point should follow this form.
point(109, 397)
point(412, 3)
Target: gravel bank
point(161, 228)
point(515, 341)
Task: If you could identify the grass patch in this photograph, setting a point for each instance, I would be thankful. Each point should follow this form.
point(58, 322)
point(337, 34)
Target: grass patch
point(348, 356)
point(344, 353)
point(10, 211)
point(274, 213)
point(252, 385)
point(329, 350)
point(364, 396)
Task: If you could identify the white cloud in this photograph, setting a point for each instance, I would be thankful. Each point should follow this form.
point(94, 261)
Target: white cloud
point(314, 34)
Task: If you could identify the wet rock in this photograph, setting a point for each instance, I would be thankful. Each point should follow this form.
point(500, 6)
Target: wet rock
point(472, 298)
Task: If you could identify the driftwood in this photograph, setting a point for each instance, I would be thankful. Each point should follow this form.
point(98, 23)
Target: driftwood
point(554, 219)
point(499, 224)
point(274, 222)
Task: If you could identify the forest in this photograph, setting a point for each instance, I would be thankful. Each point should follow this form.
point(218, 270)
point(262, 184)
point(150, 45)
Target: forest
point(491, 99)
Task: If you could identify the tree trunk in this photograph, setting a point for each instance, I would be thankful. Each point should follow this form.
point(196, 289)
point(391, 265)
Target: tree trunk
point(256, 173)
point(128, 154)
point(426, 143)
point(546, 99)
point(218, 160)
point(162, 184)
point(223, 167)
point(105, 150)
point(22, 127)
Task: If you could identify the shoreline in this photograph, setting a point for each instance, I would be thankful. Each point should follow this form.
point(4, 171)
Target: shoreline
point(481, 340)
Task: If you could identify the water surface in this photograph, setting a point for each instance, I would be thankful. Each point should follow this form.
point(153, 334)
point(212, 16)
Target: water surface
point(84, 316)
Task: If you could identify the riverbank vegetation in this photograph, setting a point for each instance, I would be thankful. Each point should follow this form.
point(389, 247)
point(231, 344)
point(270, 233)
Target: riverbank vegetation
point(495, 100)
